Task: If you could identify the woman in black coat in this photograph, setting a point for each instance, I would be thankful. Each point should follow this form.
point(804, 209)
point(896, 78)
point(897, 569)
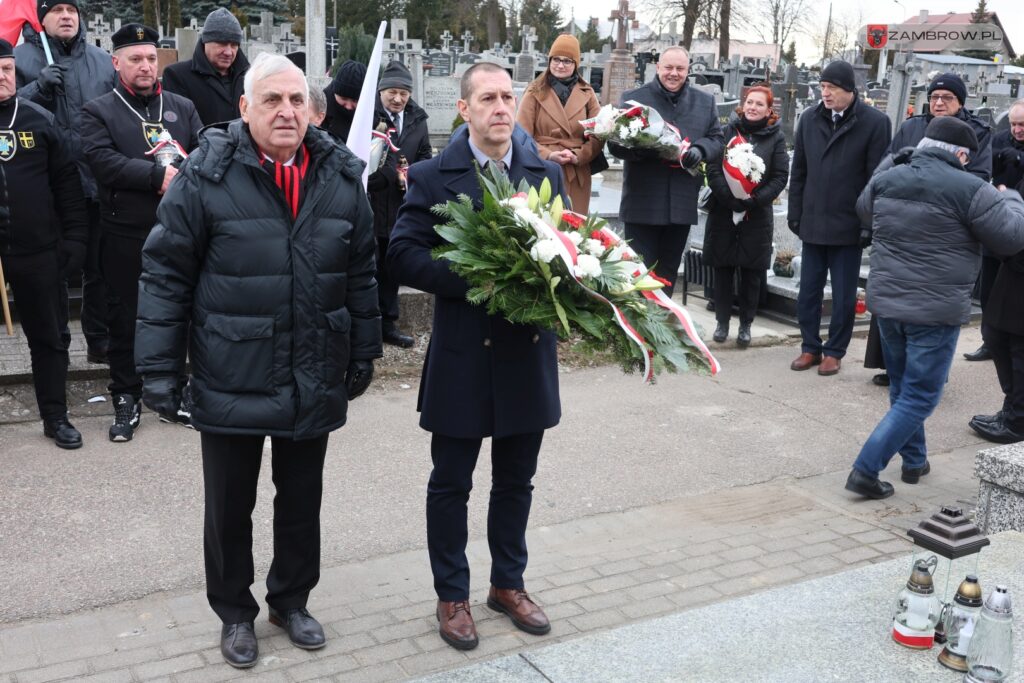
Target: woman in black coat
point(748, 244)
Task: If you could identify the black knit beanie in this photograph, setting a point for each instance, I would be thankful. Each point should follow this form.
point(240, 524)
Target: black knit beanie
point(839, 74)
point(950, 82)
point(45, 6)
point(348, 82)
point(953, 131)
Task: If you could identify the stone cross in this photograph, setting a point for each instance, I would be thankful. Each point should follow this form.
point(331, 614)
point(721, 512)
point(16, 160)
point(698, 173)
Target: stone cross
point(99, 27)
point(622, 16)
point(332, 47)
point(467, 37)
point(529, 39)
point(446, 41)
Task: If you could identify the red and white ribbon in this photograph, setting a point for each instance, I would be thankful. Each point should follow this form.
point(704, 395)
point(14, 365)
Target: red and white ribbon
point(386, 137)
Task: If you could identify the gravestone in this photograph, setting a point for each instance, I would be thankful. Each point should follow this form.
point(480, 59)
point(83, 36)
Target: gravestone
point(186, 40)
point(99, 31)
point(619, 70)
point(526, 65)
point(264, 31)
point(440, 63)
point(439, 98)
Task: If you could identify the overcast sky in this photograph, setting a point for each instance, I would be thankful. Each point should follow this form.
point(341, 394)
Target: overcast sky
point(1011, 14)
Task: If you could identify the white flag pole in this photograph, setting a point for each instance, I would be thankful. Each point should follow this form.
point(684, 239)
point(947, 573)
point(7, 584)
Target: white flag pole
point(362, 121)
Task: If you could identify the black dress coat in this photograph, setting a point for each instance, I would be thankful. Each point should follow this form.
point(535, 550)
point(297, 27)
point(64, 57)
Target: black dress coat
point(655, 191)
point(748, 244)
point(483, 376)
point(830, 169)
point(386, 195)
point(1004, 309)
point(215, 96)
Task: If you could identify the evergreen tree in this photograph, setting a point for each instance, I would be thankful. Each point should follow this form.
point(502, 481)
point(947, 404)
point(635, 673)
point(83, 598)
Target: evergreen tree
point(173, 16)
point(980, 15)
point(545, 17)
point(149, 12)
point(128, 11)
point(591, 39)
point(789, 56)
point(353, 43)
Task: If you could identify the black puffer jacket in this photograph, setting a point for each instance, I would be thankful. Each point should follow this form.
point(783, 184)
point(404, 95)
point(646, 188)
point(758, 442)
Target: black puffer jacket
point(928, 217)
point(386, 195)
point(912, 130)
point(215, 96)
point(830, 169)
point(749, 243)
point(90, 74)
point(272, 309)
point(655, 191)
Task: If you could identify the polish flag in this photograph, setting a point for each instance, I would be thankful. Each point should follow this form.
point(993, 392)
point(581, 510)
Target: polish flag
point(14, 14)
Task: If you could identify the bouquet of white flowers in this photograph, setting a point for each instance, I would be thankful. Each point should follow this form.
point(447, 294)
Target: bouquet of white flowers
point(743, 171)
point(637, 127)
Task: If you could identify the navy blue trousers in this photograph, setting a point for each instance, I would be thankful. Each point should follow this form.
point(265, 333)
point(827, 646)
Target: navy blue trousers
point(816, 262)
point(513, 464)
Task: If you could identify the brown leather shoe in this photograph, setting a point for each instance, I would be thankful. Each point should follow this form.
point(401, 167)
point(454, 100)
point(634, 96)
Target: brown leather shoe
point(456, 624)
point(804, 361)
point(829, 366)
point(520, 608)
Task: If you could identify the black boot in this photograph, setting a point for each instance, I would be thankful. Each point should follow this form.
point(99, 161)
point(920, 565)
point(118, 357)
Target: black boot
point(721, 332)
point(62, 432)
point(743, 336)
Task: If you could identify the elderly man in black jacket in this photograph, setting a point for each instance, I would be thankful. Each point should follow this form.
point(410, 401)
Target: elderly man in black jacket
point(43, 232)
point(261, 266)
point(119, 130)
point(213, 78)
point(80, 72)
point(483, 376)
point(659, 198)
point(928, 219)
point(407, 121)
point(837, 146)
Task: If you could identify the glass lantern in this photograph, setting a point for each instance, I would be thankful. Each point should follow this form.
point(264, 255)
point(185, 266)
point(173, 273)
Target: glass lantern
point(990, 654)
point(960, 622)
point(956, 542)
point(917, 609)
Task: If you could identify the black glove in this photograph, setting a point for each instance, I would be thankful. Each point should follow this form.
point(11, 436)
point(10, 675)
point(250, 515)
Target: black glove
point(72, 258)
point(51, 79)
point(902, 156)
point(1010, 157)
point(624, 153)
point(750, 203)
point(865, 238)
point(161, 392)
point(794, 227)
point(5, 228)
point(358, 377)
point(692, 157)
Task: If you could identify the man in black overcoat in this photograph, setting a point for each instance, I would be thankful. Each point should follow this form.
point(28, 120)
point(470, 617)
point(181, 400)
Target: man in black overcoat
point(836, 148)
point(659, 197)
point(483, 376)
point(215, 76)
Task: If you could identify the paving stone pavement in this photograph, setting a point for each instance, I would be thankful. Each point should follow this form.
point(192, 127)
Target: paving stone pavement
point(591, 574)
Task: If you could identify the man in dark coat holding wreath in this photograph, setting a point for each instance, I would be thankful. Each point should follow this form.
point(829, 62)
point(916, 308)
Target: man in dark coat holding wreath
point(261, 265)
point(483, 376)
point(659, 197)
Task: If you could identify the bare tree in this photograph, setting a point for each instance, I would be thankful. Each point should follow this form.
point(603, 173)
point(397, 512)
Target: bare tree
point(723, 31)
point(774, 21)
point(836, 37)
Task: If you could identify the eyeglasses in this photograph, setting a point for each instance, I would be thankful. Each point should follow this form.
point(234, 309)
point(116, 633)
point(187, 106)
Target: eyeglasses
point(562, 61)
point(945, 99)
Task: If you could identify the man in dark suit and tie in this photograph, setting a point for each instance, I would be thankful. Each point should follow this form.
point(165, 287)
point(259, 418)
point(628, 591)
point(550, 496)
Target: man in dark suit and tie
point(483, 376)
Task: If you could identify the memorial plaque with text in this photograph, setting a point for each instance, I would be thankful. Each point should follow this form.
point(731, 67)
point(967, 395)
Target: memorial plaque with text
point(439, 98)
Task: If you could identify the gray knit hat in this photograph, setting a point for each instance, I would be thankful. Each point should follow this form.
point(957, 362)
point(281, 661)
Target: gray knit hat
point(221, 26)
point(395, 76)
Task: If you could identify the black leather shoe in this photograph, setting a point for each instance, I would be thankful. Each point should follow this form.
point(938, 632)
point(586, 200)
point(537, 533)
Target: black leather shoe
point(396, 337)
point(303, 630)
point(881, 379)
point(981, 354)
point(914, 474)
point(1001, 415)
point(97, 355)
point(743, 336)
point(863, 485)
point(238, 645)
point(998, 431)
point(63, 433)
point(721, 332)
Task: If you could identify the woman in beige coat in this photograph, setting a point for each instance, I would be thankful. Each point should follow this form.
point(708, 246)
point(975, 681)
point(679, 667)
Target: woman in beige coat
point(551, 110)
